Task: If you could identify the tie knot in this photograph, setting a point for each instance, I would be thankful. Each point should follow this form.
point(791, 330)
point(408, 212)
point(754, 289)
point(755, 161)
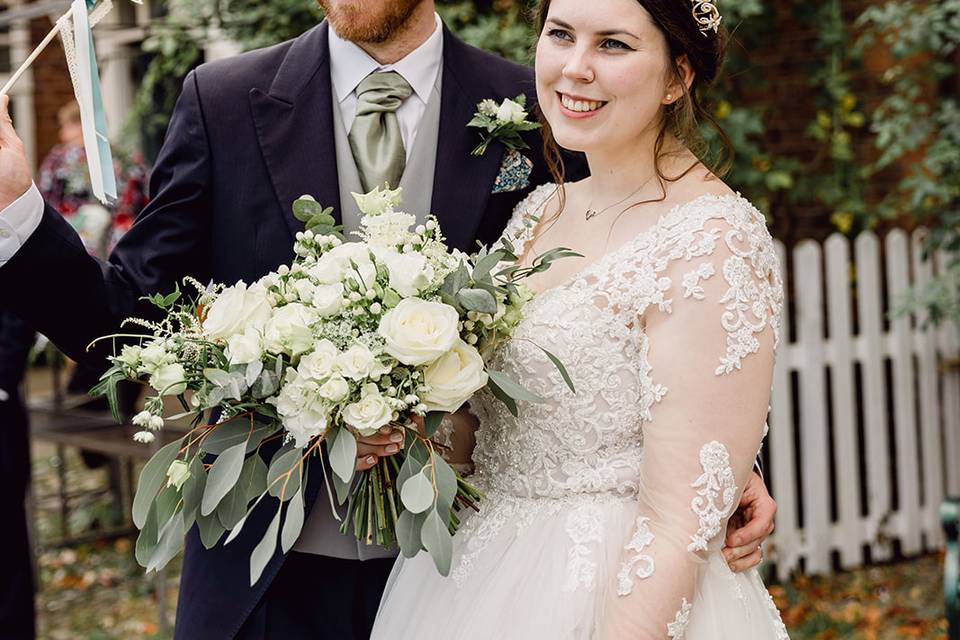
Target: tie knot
point(382, 91)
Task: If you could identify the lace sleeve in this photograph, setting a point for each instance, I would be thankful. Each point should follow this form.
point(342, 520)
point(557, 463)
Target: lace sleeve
point(711, 347)
point(526, 215)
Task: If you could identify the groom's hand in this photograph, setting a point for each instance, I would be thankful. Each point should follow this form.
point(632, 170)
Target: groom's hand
point(15, 177)
point(750, 525)
point(382, 444)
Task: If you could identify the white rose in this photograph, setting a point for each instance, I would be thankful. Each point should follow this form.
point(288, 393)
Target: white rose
point(417, 332)
point(288, 331)
point(328, 299)
point(300, 409)
point(304, 288)
point(236, 310)
point(244, 348)
point(154, 356)
point(409, 272)
point(319, 363)
point(328, 269)
point(510, 111)
point(335, 389)
point(169, 380)
point(357, 362)
point(130, 355)
point(453, 378)
point(177, 473)
point(370, 413)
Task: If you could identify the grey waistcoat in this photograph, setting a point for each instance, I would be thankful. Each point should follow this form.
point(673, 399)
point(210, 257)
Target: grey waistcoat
point(321, 532)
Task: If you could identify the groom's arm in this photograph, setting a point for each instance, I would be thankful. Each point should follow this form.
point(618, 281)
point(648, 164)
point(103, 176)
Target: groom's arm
point(57, 287)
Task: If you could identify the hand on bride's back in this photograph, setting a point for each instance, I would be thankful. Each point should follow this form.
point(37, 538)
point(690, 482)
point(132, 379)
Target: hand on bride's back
point(15, 176)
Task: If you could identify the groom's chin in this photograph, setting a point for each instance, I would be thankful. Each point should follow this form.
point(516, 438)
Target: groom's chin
point(372, 21)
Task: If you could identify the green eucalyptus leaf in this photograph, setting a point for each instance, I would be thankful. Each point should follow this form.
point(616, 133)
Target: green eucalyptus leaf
point(503, 397)
point(417, 493)
point(222, 477)
point(211, 530)
point(147, 540)
point(512, 388)
point(411, 466)
point(432, 421)
point(152, 478)
point(293, 523)
point(446, 484)
point(265, 549)
point(193, 491)
point(437, 541)
point(233, 432)
point(283, 462)
point(252, 481)
point(559, 365)
point(408, 532)
point(306, 208)
point(343, 454)
point(478, 300)
point(169, 545)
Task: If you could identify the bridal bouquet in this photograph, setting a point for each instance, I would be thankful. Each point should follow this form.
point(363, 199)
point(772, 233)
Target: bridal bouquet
point(350, 338)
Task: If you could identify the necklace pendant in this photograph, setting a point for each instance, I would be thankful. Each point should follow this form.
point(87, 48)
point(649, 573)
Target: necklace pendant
point(591, 214)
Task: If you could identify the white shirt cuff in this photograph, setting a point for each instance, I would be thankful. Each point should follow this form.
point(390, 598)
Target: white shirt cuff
point(19, 221)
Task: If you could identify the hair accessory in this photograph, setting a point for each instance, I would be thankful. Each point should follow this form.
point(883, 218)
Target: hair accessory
point(707, 15)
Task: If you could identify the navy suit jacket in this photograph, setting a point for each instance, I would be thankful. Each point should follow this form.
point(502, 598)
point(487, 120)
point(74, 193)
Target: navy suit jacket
point(248, 136)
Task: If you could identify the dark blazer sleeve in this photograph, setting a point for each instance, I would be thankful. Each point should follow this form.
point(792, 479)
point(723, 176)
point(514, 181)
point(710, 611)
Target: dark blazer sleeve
point(73, 298)
point(16, 338)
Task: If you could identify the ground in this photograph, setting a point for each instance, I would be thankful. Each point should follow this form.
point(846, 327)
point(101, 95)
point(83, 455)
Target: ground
point(97, 592)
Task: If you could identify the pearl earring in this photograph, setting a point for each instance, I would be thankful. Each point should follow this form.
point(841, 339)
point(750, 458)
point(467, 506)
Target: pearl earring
point(669, 97)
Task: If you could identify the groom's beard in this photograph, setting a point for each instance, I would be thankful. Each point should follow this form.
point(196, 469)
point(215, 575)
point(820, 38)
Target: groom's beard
point(372, 21)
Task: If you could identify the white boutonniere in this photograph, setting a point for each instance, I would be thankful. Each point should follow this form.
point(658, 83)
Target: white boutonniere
point(504, 122)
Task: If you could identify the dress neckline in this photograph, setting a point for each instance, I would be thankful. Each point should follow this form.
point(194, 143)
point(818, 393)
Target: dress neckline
point(526, 234)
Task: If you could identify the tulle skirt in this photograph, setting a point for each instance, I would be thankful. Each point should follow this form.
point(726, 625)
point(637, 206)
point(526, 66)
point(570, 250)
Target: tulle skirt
point(530, 569)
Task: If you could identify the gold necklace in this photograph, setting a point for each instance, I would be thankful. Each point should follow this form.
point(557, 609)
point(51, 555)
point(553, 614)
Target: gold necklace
point(592, 213)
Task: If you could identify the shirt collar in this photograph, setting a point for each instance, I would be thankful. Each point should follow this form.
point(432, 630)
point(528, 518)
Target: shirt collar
point(349, 64)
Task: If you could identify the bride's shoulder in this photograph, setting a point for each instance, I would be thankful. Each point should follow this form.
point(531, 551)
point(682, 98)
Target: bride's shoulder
point(709, 199)
point(528, 212)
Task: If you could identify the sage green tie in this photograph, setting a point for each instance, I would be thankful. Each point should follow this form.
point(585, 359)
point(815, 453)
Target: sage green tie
point(375, 135)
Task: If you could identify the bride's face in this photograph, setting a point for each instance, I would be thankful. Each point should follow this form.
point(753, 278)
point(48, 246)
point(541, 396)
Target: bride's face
point(603, 72)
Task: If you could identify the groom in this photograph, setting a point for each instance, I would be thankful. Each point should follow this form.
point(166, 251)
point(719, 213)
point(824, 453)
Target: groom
point(379, 90)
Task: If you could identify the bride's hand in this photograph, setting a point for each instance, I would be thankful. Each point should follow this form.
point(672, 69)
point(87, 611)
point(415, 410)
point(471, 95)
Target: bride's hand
point(15, 177)
point(750, 526)
point(382, 444)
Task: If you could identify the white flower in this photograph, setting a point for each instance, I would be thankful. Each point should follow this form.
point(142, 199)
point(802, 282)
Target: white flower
point(453, 378)
point(169, 379)
point(177, 473)
point(328, 299)
point(304, 289)
point(288, 330)
point(244, 348)
point(154, 356)
point(417, 332)
point(142, 419)
point(319, 363)
point(144, 437)
point(488, 107)
point(236, 310)
point(300, 408)
point(130, 355)
point(389, 229)
point(370, 413)
point(410, 273)
point(378, 201)
point(156, 423)
point(327, 270)
point(510, 111)
point(335, 389)
point(357, 362)
point(355, 253)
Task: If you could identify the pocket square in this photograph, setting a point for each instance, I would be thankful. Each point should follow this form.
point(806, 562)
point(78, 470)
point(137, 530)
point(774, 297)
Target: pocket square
point(514, 172)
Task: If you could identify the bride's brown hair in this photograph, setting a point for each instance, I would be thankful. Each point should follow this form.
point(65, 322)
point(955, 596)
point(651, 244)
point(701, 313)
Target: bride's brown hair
point(675, 20)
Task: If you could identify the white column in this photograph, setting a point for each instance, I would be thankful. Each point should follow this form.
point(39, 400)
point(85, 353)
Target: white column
point(21, 95)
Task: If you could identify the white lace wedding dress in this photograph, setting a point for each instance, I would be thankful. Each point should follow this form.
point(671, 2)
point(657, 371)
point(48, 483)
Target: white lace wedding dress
point(605, 509)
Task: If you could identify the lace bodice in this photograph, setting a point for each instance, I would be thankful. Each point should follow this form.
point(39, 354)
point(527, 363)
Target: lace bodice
point(592, 441)
point(659, 337)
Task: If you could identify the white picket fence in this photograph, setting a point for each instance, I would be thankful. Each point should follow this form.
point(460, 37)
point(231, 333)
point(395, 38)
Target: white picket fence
point(884, 423)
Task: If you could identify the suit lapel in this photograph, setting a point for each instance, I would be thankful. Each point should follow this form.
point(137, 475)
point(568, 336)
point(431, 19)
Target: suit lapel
point(462, 182)
point(294, 122)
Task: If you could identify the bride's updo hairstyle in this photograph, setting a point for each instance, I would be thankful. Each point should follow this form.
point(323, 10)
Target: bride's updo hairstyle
point(705, 51)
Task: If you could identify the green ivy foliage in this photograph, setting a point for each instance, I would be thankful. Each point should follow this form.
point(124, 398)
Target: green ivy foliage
point(913, 133)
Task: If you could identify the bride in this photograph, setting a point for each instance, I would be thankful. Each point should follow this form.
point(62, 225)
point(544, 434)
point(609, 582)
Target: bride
point(604, 508)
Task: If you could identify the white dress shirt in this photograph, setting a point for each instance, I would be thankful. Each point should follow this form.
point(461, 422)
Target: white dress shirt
point(349, 64)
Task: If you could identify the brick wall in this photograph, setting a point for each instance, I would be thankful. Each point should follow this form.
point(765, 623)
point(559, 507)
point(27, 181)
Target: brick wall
point(51, 87)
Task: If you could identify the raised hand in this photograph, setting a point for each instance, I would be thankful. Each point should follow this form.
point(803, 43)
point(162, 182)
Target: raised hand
point(15, 176)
